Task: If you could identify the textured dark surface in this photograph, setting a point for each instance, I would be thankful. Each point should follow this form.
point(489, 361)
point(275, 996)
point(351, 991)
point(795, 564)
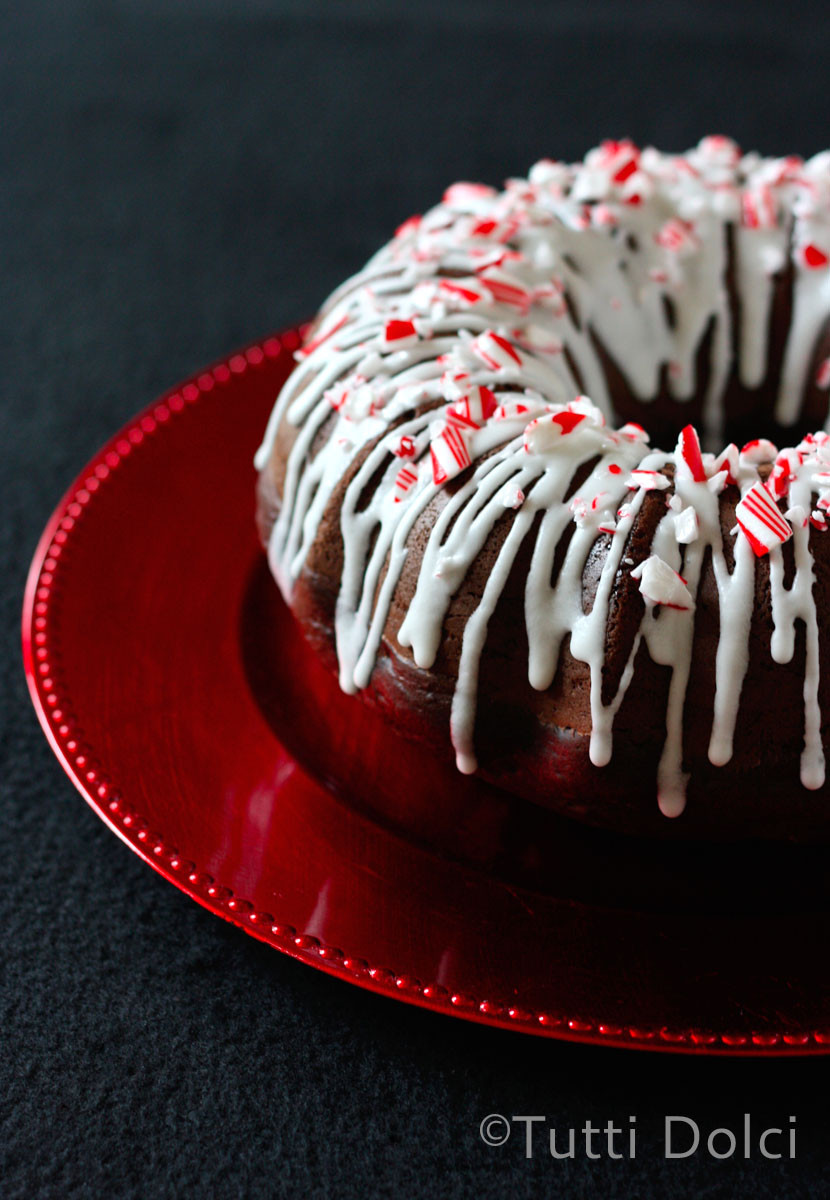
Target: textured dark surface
point(177, 179)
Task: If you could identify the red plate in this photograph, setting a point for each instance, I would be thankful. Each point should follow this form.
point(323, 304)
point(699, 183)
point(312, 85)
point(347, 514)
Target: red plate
point(175, 690)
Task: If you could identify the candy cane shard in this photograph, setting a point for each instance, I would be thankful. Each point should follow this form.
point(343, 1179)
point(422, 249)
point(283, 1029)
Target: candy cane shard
point(405, 481)
point(691, 459)
point(399, 335)
point(449, 453)
point(660, 584)
point(648, 480)
point(760, 520)
point(496, 351)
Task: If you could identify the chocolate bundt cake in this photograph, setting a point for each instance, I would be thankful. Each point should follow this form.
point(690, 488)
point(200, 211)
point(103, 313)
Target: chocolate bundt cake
point(464, 510)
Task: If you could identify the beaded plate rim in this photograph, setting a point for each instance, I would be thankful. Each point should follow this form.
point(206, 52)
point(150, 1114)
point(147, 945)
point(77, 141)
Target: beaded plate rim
point(111, 802)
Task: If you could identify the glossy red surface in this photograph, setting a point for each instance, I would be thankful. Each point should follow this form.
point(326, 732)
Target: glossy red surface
point(181, 700)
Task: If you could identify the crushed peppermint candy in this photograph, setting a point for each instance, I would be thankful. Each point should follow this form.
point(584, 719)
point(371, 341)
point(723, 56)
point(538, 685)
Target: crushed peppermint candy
point(513, 410)
point(404, 447)
point(454, 384)
point(728, 460)
point(759, 450)
point(506, 289)
point(758, 208)
point(512, 496)
point(405, 481)
point(814, 258)
point(760, 520)
point(690, 460)
point(410, 225)
point(399, 335)
point(649, 480)
point(583, 509)
point(469, 197)
point(495, 351)
point(661, 584)
point(632, 432)
point(686, 526)
point(472, 410)
point(355, 399)
point(463, 295)
point(784, 471)
point(677, 236)
point(545, 432)
point(449, 453)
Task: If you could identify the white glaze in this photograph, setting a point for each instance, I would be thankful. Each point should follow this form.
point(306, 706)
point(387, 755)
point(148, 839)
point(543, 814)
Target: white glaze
point(564, 232)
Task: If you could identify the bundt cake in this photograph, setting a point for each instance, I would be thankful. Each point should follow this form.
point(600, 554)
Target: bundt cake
point(464, 510)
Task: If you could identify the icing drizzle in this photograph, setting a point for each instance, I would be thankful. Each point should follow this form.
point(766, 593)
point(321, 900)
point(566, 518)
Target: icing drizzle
point(460, 347)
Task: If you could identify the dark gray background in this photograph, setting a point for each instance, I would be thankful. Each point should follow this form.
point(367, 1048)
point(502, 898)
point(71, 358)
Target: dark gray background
point(178, 178)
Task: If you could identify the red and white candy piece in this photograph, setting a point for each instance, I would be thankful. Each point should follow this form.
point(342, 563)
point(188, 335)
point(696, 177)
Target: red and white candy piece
point(514, 410)
point(729, 461)
point(686, 526)
point(354, 398)
point(603, 216)
point(786, 468)
point(495, 351)
point(758, 210)
point(583, 509)
point(405, 481)
point(761, 521)
point(813, 257)
point(469, 197)
point(473, 409)
point(649, 480)
point(399, 335)
point(759, 450)
point(718, 148)
point(512, 496)
point(581, 404)
point(619, 158)
point(798, 516)
point(410, 225)
point(677, 236)
point(660, 584)
point(544, 433)
point(404, 447)
point(454, 384)
point(488, 254)
point(462, 295)
point(817, 444)
point(506, 289)
point(449, 453)
point(688, 457)
point(549, 171)
point(632, 432)
point(496, 231)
